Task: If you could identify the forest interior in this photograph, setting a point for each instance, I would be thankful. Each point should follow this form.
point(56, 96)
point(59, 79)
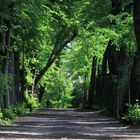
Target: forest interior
point(69, 54)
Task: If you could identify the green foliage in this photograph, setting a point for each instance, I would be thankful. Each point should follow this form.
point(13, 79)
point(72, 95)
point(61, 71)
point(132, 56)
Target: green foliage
point(1, 115)
point(97, 107)
point(8, 114)
point(133, 115)
point(5, 84)
point(123, 27)
point(43, 103)
point(79, 88)
point(39, 29)
point(59, 86)
point(31, 102)
point(20, 109)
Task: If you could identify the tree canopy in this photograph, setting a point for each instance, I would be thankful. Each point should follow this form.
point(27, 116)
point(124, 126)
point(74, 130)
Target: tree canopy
point(69, 53)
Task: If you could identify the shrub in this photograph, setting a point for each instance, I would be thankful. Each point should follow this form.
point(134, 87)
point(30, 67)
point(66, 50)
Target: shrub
point(31, 102)
point(8, 114)
point(96, 107)
point(133, 114)
point(1, 115)
point(20, 109)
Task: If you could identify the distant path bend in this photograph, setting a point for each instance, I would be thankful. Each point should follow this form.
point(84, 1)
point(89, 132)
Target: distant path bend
point(67, 124)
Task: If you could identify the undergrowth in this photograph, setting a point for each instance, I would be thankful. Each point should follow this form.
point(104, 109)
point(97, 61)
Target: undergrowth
point(133, 114)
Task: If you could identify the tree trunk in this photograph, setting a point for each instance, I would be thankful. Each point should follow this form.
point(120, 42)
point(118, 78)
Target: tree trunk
point(56, 53)
point(135, 85)
point(136, 15)
point(85, 92)
point(92, 88)
point(124, 68)
point(2, 53)
point(135, 82)
point(12, 73)
point(41, 93)
point(116, 7)
point(110, 63)
point(22, 77)
point(17, 77)
point(8, 44)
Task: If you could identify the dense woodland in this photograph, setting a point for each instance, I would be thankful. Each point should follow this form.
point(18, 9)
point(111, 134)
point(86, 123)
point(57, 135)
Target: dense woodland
point(64, 53)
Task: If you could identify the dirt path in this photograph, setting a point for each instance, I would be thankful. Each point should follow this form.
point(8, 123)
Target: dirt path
point(59, 124)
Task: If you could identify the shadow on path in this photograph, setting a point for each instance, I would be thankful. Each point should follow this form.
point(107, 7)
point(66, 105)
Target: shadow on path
point(67, 124)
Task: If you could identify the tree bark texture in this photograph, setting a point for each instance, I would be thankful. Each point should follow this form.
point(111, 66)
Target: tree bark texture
point(110, 69)
point(116, 7)
point(135, 74)
point(41, 93)
point(92, 87)
point(135, 80)
point(136, 15)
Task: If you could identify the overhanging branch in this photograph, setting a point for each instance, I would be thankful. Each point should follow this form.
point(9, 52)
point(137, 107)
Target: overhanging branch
point(55, 54)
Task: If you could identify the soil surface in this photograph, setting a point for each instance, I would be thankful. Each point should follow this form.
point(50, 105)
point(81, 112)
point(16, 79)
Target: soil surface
point(67, 124)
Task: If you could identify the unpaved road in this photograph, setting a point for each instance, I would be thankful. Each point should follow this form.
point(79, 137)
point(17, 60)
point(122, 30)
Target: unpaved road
point(60, 124)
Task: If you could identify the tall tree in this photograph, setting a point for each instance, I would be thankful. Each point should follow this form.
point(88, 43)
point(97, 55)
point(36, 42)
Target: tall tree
point(136, 14)
point(135, 73)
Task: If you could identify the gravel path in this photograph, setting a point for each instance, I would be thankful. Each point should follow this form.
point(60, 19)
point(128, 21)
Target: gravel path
point(68, 124)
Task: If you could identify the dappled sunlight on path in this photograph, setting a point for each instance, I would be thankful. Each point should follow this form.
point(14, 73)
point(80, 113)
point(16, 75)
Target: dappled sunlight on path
point(70, 124)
